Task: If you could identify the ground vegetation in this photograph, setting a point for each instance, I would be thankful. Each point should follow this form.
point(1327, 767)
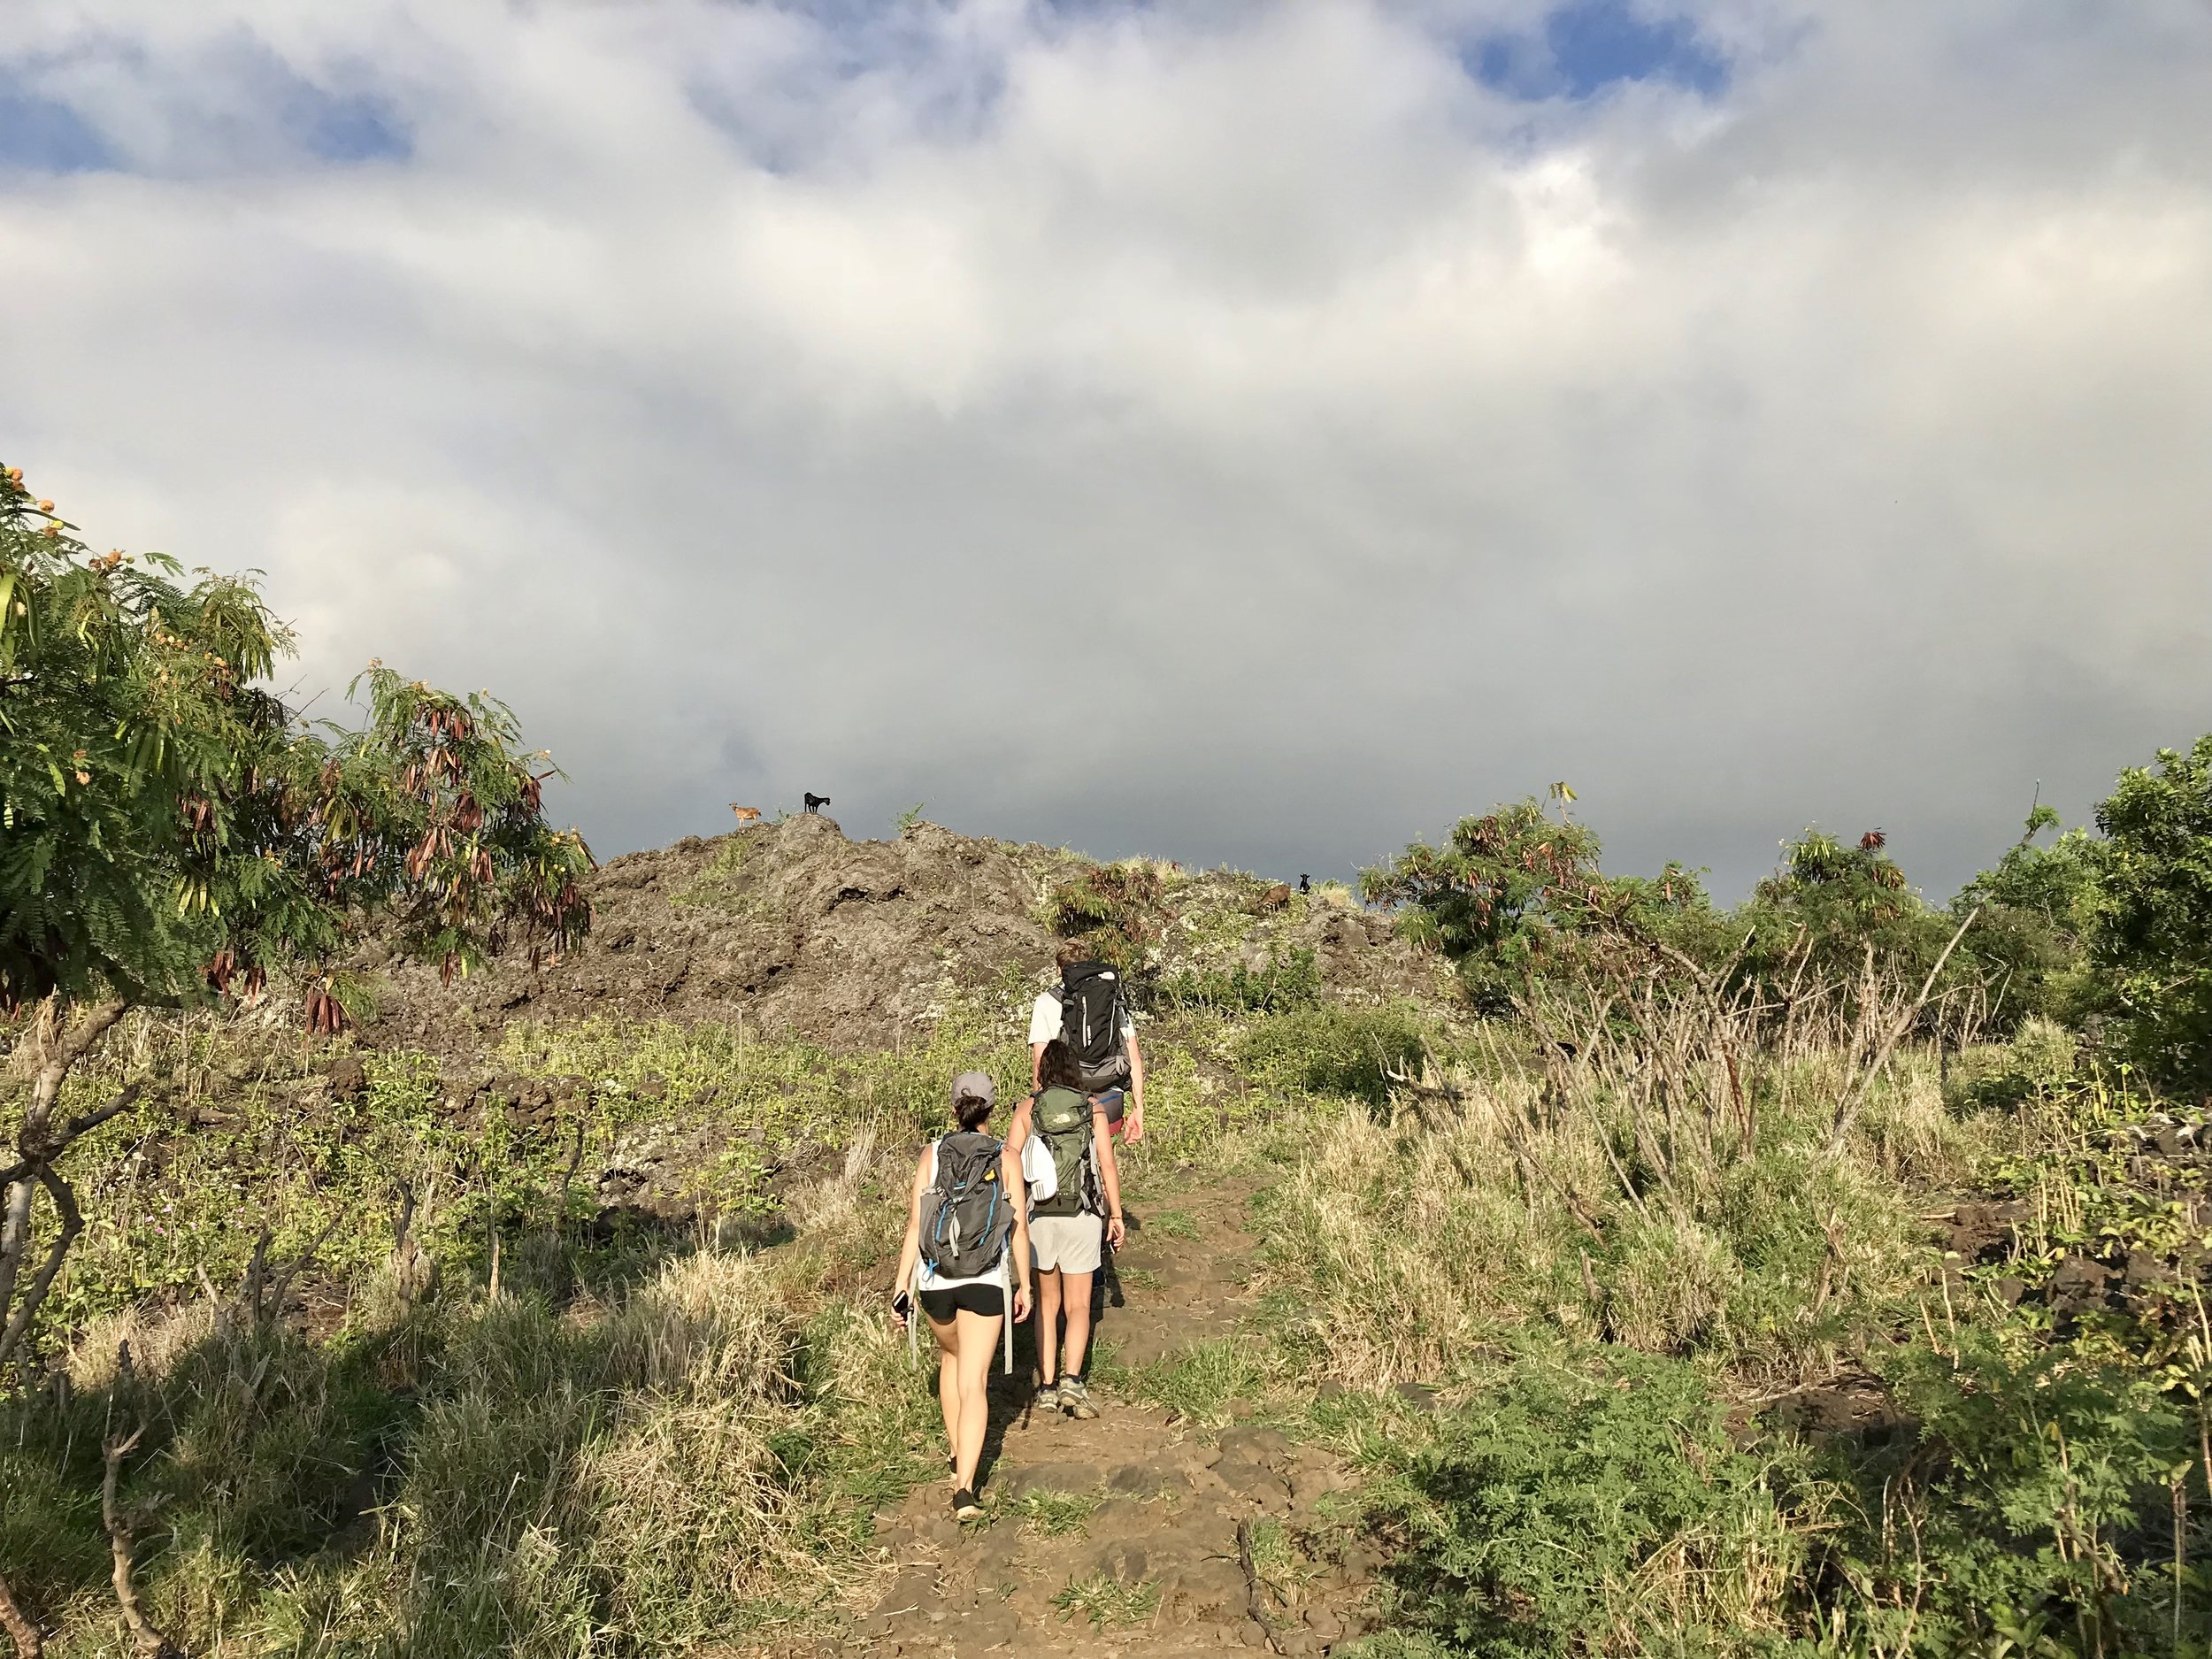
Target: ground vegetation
point(1529, 1260)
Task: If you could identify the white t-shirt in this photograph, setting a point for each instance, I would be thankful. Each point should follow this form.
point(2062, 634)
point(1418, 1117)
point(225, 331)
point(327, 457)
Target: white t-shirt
point(1044, 1019)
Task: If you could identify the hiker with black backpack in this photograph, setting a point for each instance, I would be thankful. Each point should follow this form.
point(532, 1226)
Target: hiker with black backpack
point(1090, 1013)
point(1074, 1209)
point(966, 1248)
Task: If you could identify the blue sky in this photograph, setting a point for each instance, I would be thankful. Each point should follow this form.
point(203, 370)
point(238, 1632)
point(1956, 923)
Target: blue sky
point(230, 104)
point(1581, 49)
point(45, 135)
point(1757, 413)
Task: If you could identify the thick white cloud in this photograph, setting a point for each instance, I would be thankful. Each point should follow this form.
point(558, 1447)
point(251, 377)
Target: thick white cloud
point(1232, 431)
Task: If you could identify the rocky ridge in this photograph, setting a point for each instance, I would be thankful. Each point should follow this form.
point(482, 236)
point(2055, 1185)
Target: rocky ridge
point(793, 929)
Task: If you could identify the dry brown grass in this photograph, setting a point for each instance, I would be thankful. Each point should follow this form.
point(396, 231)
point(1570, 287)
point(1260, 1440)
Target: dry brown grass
point(1671, 1186)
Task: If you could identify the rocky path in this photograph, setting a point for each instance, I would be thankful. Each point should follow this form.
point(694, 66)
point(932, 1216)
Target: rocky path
point(1134, 1534)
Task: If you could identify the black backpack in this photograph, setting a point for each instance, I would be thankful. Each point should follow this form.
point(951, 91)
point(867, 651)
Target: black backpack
point(966, 1210)
point(1061, 1119)
point(1092, 1014)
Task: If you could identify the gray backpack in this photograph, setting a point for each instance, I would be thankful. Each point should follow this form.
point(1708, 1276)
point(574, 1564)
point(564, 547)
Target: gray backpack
point(966, 1210)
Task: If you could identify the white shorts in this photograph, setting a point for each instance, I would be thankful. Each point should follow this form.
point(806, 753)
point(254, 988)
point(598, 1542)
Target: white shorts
point(1066, 1244)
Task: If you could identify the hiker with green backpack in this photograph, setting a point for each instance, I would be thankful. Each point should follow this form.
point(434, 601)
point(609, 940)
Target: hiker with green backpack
point(966, 1250)
point(1075, 1208)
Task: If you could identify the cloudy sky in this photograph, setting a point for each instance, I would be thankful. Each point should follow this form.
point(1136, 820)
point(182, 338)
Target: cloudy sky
point(1242, 432)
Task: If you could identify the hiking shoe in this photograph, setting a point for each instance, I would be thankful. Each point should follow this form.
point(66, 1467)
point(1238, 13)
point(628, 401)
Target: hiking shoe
point(964, 1508)
point(1049, 1397)
point(1075, 1399)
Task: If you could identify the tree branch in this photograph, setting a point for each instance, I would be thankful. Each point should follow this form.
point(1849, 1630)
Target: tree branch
point(18, 1319)
point(281, 1286)
point(19, 1184)
point(1848, 1109)
point(21, 1631)
point(79, 1126)
point(149, 1640)
point(89, 1031)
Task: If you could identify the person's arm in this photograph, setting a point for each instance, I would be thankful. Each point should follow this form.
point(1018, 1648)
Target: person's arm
point(910, 1246)
point(1036, 1066)
point(1017, 1241)
point(1135, 1127)
point(1018, 1130)
point(1109, 1175)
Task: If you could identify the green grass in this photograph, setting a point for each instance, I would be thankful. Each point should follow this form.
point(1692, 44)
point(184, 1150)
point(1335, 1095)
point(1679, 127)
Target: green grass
point(1105, 1603)
point(1169, 1224)
point(1199, 1383)
point(1331, 1050)
point(716, 886)
point(1052, 1514)
point(653, 1447)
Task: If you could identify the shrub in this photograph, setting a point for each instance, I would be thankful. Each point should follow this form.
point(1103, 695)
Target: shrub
point(2151, 941)
point(1331, 1051)
point(1287, 981)
point(1593, 1506)
point(1114, 908)
point(2034, 1510)
point(1814, 920)
point(1514, 895)
point(2037, 908)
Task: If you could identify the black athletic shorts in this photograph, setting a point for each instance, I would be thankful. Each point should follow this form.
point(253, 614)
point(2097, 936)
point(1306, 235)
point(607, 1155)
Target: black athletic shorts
point(939, 1305)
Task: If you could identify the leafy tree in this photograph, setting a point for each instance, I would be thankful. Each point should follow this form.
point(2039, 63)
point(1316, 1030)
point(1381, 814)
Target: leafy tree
point(2151, 939)
point(172, 831)
point(1515, 895)
point(2037, 908)
point(1832, 907)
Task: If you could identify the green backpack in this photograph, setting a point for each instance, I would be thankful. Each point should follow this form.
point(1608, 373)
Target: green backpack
point(1062, 1119)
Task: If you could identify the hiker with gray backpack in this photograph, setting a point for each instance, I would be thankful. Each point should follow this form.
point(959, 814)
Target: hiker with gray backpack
point(965, 1257)
point(1061, 1136)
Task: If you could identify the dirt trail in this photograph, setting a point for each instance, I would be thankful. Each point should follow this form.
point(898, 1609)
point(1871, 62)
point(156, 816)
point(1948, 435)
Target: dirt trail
point(1184, 1550)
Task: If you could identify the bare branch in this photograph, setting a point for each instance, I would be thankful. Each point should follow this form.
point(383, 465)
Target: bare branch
point(21, 1631)
point(256, 1271)
point(1848, 1109)
point(149, 1640)
point(89, 1031)
point(281, 1286)
point(13, 1247)
point(76, 1128)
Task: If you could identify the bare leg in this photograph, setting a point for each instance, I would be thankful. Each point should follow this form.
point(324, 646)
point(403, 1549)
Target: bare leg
point(1048, 1321)
point(948, 1381)
point(977, 1346)
point(1075, 1291)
